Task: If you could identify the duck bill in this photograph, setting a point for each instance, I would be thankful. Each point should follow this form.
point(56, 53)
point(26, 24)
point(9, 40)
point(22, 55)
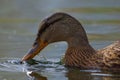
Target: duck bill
point(34, 50)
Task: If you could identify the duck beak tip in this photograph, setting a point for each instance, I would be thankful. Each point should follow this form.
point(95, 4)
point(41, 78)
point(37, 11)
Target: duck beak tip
point(34, 51)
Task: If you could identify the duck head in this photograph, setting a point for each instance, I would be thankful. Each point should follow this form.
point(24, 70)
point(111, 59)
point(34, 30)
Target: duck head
point(57, 27)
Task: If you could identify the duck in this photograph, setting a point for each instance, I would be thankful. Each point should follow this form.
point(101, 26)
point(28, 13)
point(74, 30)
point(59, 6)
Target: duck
point(61, 26)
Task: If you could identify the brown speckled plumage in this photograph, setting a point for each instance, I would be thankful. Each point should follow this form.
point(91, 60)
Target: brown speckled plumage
point(63, 27)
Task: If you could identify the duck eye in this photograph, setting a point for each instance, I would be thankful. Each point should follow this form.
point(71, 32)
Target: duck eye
point(35, 43)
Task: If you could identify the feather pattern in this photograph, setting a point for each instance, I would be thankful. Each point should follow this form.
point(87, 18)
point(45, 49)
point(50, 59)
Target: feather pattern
point(86, 58)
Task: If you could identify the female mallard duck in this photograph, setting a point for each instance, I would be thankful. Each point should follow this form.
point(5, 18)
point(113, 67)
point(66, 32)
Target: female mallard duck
point(63, 27)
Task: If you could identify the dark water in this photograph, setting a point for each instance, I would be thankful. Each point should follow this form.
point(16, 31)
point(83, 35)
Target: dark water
point(19, 21)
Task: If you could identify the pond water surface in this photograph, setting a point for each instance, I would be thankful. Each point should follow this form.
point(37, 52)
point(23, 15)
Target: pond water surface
point(19, 21)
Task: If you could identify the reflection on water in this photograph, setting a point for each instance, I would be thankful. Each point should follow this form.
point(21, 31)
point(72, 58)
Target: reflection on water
point(19, 21)
point(36, 76)
point(45, 70)
point(76, 74)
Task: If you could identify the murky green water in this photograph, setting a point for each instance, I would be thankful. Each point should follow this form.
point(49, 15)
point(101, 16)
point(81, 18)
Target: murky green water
point(19, 21)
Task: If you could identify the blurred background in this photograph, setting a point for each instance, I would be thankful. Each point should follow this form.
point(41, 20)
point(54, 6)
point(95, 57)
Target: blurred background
point(19, 20)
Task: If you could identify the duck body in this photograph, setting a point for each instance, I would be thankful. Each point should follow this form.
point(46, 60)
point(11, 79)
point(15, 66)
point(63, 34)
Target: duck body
point(63, 27)
point(86, 58)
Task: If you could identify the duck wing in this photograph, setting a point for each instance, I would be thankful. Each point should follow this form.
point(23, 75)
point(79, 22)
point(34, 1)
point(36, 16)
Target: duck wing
point(111, 55)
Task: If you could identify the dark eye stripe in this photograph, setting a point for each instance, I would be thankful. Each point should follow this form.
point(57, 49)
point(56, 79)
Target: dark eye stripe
point(43, 26)
point(48, 21)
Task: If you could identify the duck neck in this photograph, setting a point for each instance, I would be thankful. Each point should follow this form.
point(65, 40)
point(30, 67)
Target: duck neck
point(78, 53)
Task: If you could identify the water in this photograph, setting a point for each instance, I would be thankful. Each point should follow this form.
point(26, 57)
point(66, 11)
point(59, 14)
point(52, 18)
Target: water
point(19, 21)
